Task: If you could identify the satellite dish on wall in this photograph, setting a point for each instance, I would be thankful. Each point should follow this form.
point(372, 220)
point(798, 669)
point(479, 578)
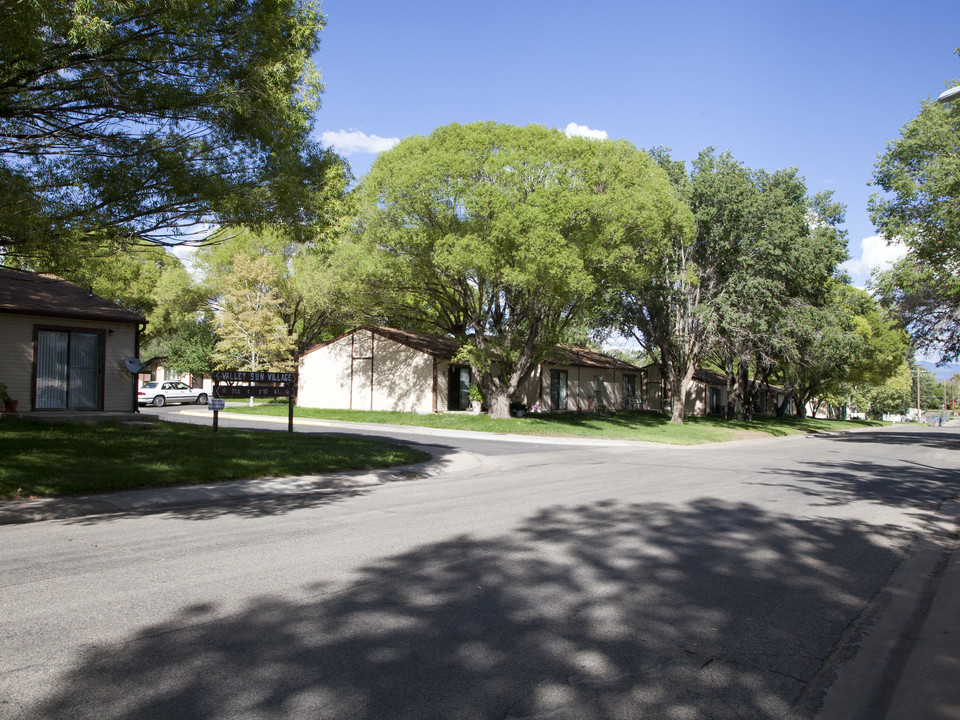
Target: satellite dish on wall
point(133, 365)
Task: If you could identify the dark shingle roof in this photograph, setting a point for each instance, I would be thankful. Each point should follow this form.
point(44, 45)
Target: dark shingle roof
point(29, 294)
point(585, 357)
point(440, 346)
point(443, 347)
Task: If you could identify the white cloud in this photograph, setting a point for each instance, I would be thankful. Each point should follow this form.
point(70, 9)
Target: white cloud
point(875, 253)
point(584, 131)
point(349, 142)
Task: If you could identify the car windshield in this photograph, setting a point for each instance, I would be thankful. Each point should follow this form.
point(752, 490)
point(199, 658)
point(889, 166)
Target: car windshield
point(149, 385)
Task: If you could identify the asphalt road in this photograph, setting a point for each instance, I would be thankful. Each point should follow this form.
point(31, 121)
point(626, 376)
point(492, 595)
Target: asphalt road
point(550, 581)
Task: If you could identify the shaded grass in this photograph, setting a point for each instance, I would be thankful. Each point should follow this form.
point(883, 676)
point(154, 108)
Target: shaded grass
point(42, 459)
point(626, 425)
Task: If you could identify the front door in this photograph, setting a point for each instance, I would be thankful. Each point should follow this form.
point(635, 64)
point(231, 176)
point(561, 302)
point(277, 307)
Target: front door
point(558, 390)
point(458, 388)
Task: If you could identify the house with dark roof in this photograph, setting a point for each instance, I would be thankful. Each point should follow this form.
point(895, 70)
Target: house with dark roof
point(377, 368)
point(63, 348)
point(708, 395)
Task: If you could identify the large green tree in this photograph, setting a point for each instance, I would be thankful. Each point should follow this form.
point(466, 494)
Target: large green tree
point(919, 175)
point(303, 276)
point(741, 286)
point(663, 297)
point(505, 237)
point(778, 252)
point(135, 121)
point(837, 347)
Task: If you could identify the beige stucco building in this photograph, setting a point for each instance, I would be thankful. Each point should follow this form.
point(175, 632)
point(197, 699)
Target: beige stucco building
point(63, 348)
point(376, 368)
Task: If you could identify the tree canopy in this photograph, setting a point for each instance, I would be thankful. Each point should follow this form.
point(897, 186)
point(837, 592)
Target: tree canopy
point(743, 286)
point(920, 206)
point(505, 236)
point(300, 275)
point(137, 121)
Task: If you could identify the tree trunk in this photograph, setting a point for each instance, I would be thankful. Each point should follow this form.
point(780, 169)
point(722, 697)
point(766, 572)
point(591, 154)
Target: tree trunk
point(679, 388)
point(782, 406)
point(745, 390)
point(801, 405)
point(499, 401)
point(731, 394)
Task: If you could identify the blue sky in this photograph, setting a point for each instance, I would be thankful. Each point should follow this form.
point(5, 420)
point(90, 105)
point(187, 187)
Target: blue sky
point(821, 86)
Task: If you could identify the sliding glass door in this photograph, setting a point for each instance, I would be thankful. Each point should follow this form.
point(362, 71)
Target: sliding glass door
point(69, 370)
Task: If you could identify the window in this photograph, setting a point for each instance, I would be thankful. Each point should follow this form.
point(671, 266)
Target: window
point(716, 407)
point(598, 391)
point(630, 391)
point(760, 403)
point(558, 390)
point(69, 369)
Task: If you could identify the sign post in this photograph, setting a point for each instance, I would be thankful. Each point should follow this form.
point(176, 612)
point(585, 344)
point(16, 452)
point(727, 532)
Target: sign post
point(281, 385)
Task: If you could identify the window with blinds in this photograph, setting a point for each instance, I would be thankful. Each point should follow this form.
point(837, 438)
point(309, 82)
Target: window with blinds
point(69, 370)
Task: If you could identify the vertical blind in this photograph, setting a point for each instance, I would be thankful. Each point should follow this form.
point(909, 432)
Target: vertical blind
point(69, 369)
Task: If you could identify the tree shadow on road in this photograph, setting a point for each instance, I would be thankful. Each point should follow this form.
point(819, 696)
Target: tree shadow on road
point(904, 483)
point(600, 611)
point(937, 438)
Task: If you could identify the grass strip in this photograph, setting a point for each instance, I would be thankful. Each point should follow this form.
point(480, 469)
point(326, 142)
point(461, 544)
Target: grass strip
point(625, 425)
point(44, 459)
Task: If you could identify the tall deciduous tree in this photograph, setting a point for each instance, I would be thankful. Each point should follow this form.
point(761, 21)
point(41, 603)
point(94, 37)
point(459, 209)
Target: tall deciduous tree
point(845, 342)
point(252, 334)
point(920, 206)
point(663, 298)
point(504, 236)
point(134, 121)
point(778, 256)
point(302, 276)
point(760, 251)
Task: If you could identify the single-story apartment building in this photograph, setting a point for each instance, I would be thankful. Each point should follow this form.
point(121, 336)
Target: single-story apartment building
point(63, 348)
point(378, 368)
point(708, 396)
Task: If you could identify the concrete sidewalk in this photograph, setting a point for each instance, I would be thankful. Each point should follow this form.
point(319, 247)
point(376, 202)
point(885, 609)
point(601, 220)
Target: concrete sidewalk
point(929, 686)
point(903, 653)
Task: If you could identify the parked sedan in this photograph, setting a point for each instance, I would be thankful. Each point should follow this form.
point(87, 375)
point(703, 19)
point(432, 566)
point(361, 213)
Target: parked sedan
point(159, 394)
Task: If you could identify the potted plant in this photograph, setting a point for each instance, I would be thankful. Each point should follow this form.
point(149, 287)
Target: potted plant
point(9, 405)
point(476, 399)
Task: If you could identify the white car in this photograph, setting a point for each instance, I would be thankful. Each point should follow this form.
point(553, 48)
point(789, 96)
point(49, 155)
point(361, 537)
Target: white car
point(159, 394)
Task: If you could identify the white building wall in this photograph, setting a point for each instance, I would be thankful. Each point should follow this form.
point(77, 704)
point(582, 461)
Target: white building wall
point(582, 387)
point(402, 378)
point(325, 376)
point(366, 371)
point(16, 358)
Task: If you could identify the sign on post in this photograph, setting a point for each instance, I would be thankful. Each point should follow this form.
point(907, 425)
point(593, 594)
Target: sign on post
point(251, 377)
point(281, 384)
point(257, 391)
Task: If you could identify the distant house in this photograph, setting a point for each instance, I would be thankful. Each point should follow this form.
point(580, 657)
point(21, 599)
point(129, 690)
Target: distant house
point(156, 369)
point(63, 348)
point(377, 368)
point(708, 395)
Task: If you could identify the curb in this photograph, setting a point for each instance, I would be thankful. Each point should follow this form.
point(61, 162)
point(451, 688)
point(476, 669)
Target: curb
point(18, 512)
point(929, 687)
point(901, 659)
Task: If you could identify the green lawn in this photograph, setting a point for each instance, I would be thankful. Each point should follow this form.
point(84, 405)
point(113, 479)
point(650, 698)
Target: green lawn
point(41, 459)
point(644, 426)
